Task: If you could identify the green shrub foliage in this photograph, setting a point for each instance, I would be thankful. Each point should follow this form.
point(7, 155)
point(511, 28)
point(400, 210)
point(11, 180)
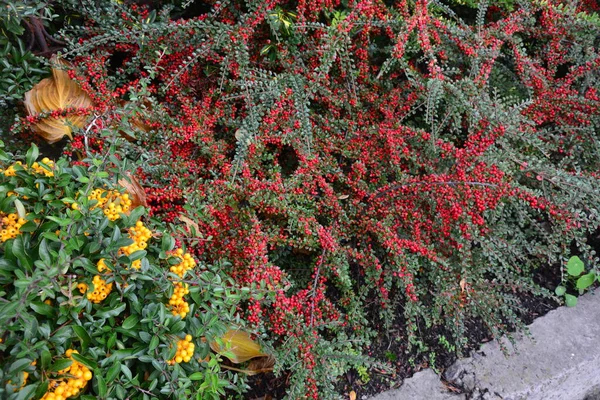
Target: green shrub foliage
point(73, 277)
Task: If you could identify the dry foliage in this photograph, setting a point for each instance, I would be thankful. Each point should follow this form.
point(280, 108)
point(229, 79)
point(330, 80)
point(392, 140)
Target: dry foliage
point(58, 92)
point(135, 190)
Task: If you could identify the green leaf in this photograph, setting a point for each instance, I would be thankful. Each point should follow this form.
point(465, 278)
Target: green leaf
point(18, 249)
point(59, 221)
point(570, 300)
point(196, 376)
point(130, 322)
point(41, 390)
point(19, 365)
point(20, 208)
point(136, 214)
point(27, 392)
point(136, 255)
point(29, 226)
point(168, 243)
point(586, 280)
point(32, 155)
point(94, 247)
point(82, 334)
point(42, 308)
point(91, 364)
point(102, 388)
point(153, 343)
point(560, 290)
point(113, 371)
point(127, 372)
point(575, 266)
point(61, 364)
point(46, 359)
point(43, 252)
point(120, 391)
point(178, 327)
point(111, 312)
point(145, 336)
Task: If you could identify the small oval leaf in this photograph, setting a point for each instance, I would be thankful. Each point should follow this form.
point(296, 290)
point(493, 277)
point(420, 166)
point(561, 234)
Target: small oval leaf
point(560, 290)
point(586, 280)
point(130, 322)
point(570, 300)
point(575, 266)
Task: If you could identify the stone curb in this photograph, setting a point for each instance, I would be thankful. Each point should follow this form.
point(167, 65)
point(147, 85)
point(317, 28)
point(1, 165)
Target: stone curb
point(560, 361)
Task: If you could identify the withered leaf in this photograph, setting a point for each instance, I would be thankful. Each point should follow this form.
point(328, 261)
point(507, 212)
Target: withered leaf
point(192, 225)
point(135, 190)
point(238, 347)
point(57, 93)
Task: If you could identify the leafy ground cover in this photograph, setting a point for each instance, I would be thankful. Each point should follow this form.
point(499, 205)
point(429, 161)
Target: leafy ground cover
point(336, 193)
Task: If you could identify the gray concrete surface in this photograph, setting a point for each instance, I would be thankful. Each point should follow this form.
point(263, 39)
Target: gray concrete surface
point(423, 385)
point(561, 361)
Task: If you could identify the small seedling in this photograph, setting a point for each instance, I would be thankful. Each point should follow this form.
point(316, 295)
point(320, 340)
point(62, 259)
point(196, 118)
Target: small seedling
point(576, 278)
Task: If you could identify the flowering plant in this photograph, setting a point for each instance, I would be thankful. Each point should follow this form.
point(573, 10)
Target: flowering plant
point(361, 164)
point(91, 299)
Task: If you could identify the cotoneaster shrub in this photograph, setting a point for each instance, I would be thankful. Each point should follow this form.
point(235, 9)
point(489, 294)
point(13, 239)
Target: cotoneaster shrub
point(365, 163)
point(96, 303)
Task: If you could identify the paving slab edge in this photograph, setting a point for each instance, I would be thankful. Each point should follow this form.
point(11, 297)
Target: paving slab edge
point(559, 361)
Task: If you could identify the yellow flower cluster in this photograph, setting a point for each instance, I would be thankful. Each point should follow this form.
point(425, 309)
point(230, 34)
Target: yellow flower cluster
point(177, 303)
point(185, 351)
point(112, 202)
point(140, 235)
point(101, 289)
point(102, 266)
point(11, 171)
point(187, 263)
point(37, 168)
point(10, 227)
point(41, 170)
point(77, 377)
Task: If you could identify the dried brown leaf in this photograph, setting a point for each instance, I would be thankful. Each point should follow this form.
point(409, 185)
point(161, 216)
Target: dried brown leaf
point(135, 190)
point(57, 93)
point(136, 122)
point(238, 347)
point(192, 225)
point(255, 367)
point(262, 364)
